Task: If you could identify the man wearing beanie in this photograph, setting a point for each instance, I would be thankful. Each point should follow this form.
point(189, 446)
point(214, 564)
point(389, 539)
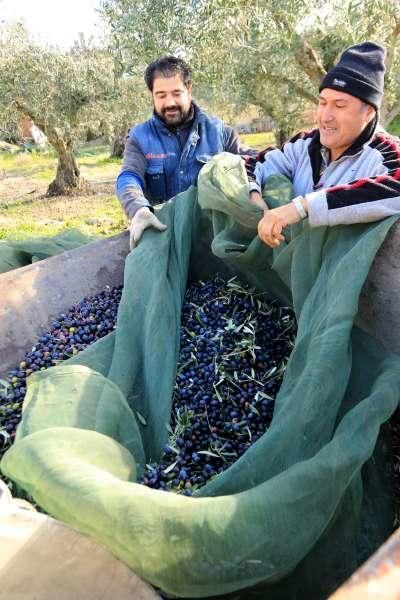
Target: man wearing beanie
point(346, 171)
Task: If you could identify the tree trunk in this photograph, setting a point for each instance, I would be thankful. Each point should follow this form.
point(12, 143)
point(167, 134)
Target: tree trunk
point(68, 180)
point(281, 135)
point(118, 145)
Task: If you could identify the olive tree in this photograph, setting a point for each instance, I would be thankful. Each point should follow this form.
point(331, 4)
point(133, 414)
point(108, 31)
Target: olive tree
point(132, 104)
point(61, 92)
point(268, 53)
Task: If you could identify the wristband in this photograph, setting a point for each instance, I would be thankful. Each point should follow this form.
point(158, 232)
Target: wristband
point(299, 206)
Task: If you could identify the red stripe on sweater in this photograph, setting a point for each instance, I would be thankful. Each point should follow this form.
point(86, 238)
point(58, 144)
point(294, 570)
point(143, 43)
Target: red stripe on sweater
point(361, 182)
point(394, 147)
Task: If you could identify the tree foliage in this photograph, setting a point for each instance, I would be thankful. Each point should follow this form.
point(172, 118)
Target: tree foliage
point(64, 94)
point(268, 53)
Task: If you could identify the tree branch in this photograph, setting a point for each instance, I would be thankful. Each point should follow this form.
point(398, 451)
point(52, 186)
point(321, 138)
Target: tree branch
point(305, 55)
point(388, 117)
point(390, 44)
point(53, 134)
point(22, 107)
point(282, 79)
point(307, 58)
point(297, 88)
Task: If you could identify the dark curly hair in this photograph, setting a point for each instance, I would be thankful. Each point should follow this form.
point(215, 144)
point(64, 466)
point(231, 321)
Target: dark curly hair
point(168, 66)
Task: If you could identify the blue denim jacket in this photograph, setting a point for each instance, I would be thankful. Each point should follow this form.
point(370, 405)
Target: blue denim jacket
point(157, 167)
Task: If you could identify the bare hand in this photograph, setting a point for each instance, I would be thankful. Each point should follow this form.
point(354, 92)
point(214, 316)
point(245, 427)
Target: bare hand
point(274, 221)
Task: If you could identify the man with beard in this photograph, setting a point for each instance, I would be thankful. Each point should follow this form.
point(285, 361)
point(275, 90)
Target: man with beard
point(163, 156)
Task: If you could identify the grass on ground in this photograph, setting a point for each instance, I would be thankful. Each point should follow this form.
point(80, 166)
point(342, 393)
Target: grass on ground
point(25, 212)
point(24, 176)
point(94, 161)
point(93, 215)
point(259, 141)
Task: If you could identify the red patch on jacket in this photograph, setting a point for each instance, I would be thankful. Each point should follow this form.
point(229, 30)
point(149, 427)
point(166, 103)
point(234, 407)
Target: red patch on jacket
point(151, 155)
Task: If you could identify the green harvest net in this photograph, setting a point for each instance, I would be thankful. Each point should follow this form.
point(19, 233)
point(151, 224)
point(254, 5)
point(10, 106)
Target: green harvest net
point(287, 520)
point(15, 254)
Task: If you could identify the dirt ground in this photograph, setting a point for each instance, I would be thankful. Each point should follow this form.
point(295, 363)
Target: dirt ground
point(14, 189)
point(20, 189)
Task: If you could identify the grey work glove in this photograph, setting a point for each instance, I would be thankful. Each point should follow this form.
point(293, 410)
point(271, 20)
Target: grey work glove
point(143, 219)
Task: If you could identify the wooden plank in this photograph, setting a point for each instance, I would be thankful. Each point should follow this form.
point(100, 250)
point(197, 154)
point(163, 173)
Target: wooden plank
point(378, 578)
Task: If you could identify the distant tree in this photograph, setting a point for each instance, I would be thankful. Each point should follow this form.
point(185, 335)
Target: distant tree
point(10, 128)
point(268, 53)
point(131, 105)
point(61, 92)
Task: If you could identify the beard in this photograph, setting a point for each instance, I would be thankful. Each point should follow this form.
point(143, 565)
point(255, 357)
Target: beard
point(173, 116)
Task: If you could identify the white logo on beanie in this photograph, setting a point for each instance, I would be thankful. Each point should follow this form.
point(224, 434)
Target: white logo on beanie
point(339, 82)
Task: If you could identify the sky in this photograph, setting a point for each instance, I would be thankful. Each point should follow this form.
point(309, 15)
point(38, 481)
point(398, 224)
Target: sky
point(57, 23)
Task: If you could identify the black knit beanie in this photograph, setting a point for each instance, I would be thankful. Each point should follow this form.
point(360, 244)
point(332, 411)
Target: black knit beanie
point(359, 72)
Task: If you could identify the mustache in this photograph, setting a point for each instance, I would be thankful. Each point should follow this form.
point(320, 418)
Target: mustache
point(175, 115)
point(170, 108)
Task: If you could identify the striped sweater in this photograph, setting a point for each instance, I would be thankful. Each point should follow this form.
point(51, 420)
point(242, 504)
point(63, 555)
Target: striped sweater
point(361, 186)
